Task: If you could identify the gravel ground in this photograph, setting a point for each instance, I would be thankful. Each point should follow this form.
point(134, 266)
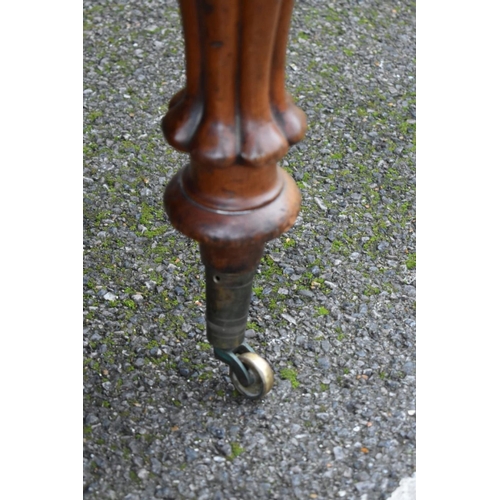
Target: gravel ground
point(333, 309)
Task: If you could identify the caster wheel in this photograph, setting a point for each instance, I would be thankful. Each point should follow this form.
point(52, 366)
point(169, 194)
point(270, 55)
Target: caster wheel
point(260, 371)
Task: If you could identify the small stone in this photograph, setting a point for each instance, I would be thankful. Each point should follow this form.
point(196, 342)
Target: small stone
point(328, 474)
point(289, 318)
point(166, 493)
point(411, 413)
point(218, 432)
point(320, 204)
point(363, 486)
point(339, 453)
point(109, 296)
point(91, 419)
point(325, 417)
point(234, 430)
point(139, 362)
point(191, 454)
point(143, 474)
point(306, 293)
point(383, 246)
point(300, 340)
point(409, 368)
point(324, 363)
point(137, 297)
point(155, 466)
point(224, 448)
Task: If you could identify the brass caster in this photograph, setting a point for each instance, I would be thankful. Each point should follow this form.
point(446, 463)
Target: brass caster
point(260, 372)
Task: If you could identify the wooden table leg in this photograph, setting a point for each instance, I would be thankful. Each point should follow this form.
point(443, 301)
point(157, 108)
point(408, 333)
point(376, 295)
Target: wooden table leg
point(236, 121)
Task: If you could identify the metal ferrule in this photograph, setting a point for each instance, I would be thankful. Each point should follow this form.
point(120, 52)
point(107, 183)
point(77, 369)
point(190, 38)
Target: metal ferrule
point(228, 302)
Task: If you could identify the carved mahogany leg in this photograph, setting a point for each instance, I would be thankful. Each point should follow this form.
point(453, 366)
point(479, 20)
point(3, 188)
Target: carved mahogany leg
point(236, 121)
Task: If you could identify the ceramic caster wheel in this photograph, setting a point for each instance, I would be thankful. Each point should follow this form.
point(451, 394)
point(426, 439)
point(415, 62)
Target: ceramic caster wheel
point(260, 372)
